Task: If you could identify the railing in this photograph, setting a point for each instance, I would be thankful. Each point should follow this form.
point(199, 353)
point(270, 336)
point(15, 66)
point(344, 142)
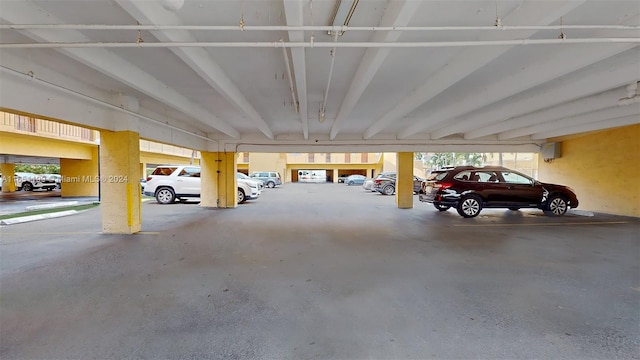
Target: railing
point(39, 127)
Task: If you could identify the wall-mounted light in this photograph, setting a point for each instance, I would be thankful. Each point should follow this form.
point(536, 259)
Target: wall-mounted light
point(342, 13)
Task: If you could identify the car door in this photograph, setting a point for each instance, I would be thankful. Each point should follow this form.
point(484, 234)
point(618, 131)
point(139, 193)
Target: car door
point(490, 188)
point(188, 181)
point(522, 190)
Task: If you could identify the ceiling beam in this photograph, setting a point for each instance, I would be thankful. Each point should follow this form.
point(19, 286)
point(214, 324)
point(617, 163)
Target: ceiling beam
point(110, 64)
point(537, 72)
point(595, 116)
point(398, 14)
point(152, 12)
point(472, 59)
point(581, 106)
point(293, 10)
point(608, 77)
point(595, 126)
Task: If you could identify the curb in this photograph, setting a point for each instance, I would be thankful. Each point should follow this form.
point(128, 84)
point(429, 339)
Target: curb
point(52, 205)
point(24, 219)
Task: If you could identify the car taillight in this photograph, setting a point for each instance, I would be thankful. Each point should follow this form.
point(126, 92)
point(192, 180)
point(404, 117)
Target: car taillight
point(149, 178)
point(442, 186)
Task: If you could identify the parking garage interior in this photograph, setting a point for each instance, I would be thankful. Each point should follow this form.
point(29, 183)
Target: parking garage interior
point(320, 271)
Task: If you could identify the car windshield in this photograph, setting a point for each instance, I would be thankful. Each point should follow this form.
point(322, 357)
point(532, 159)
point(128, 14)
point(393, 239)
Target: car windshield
point(242, 176)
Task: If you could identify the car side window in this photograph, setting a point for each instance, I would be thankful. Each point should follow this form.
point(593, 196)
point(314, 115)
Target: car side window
point(166, 171)
point(487, 176)
point(190, 172)
point(463, 176)
point(514, 178)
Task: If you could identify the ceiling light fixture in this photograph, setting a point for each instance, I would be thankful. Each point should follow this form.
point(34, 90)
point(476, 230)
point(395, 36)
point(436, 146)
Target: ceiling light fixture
point(342, 14)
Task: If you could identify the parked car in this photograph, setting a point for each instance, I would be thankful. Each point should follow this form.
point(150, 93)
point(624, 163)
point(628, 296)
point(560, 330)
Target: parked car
point(242, 177)
point(30, 181)
point(143, 184)
point(470, 189)
point(57, 178)
point(342, 178)
point(170, 182)
point(386, 184)
point(355, 180)
point(271, 179)
point(368, 185)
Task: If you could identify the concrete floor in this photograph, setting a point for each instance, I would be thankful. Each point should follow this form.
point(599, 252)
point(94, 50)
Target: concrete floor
point(322, 271)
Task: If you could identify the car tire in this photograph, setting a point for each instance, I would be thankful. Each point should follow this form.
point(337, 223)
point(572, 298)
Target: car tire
point(556, 206)
point(27, 186)
point(165, 196)
point(514, 208)
point(241, 197)
point(350, 183)
point(271, 184)
point(441, 207)
point(388, 190)
point(469, 206)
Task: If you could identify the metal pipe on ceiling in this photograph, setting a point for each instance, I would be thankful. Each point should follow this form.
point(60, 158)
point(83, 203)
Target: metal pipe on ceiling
point(310, 28)
point(278, 44)
point(296, 104)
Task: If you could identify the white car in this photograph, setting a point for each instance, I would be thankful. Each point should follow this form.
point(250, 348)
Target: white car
point(170, 182)
point(30, 181)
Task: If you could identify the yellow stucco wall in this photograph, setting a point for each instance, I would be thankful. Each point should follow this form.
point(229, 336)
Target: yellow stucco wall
point(603, 168)
point(28, 145)
point(79, 176)
point(269, 162)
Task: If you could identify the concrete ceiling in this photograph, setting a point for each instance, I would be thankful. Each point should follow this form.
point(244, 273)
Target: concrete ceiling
point(260, 84)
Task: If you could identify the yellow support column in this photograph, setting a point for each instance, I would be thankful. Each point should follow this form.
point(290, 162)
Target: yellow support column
point(335, 175)
point(8, 177)
point(218, 179)
point(119, 182)
point(404, 181)
point(79, 176)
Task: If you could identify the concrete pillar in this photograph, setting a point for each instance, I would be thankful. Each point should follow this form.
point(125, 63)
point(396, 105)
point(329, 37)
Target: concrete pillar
point(8, 177)
point(218, 179)
point(80, 177)
point(404, 181)
point(335, 175)
point(143, 170)
point(120, 196)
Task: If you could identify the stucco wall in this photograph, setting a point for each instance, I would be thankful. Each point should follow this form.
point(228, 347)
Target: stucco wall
point(603, 168)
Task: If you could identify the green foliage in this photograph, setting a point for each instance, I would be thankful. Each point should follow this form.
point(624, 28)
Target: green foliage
point(440, 160)
point(38, 169)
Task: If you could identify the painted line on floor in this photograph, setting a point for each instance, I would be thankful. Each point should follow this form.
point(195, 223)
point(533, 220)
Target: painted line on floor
point(548, 224)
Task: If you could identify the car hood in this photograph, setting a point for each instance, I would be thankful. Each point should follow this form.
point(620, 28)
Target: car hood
point(551, 187)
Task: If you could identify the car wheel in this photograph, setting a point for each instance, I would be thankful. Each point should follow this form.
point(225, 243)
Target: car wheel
point(27, 186)
point(49, 188)
point(469, 206)
point(350, 183)
point(441, 207)
point(241, 197)
point(271, 184)
point(165, 196)
point(388, 190)
point(514, 208)
point(557, 206)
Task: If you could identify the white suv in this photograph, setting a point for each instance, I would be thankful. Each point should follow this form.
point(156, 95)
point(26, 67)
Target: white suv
point(30, 181)
point(170, 182)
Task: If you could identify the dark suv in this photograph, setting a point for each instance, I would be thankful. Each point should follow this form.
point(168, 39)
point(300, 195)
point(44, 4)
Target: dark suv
point(469, 189)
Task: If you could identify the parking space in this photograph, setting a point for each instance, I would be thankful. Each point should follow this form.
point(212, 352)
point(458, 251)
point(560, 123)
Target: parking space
point(322, 271)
